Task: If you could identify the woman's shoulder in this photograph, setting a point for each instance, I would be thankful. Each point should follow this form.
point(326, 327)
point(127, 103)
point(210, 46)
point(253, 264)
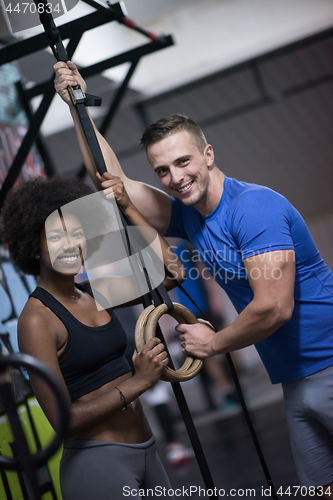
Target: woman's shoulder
point(35, 318)
point(39, 335)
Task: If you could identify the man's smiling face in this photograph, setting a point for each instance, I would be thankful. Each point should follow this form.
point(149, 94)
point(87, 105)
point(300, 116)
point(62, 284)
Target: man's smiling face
point(181, 168)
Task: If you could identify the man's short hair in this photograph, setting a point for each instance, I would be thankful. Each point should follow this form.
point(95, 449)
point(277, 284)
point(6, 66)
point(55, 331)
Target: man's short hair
point(170, 125)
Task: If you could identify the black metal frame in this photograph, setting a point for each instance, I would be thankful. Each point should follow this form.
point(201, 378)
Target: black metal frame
point(72, 31)
point(47, 486)
point(41, 146)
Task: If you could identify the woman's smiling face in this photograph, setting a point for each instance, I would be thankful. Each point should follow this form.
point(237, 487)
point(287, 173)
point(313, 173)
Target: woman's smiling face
point(63, 244)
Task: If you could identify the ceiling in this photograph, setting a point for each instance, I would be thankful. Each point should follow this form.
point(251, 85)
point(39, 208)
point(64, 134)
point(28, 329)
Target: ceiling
point(210, 35)
point(275, 130)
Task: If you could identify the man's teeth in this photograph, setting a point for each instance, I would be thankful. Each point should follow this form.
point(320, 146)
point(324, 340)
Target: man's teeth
point(185, 188)
point(69, 259)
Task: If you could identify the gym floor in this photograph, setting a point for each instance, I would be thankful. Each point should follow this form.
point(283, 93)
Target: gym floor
point(228, 445)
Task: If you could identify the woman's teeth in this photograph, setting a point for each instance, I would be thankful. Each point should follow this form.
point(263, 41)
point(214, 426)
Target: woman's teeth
point(68, 259)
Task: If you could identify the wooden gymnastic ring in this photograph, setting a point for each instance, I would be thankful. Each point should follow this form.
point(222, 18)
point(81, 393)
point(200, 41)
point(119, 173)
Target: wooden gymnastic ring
point(140, 328)
point(145, 330)
point(191, 366)
point(141, 340)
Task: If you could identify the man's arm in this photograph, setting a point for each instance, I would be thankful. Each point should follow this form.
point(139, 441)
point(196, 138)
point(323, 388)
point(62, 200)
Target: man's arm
point(114, 188)
point(272, 279)
point(154, 204)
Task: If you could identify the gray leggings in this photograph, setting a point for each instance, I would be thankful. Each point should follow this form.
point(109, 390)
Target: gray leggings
point(99, 470)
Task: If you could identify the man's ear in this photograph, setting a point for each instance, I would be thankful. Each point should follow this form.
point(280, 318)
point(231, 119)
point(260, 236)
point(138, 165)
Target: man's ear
point(209, 154)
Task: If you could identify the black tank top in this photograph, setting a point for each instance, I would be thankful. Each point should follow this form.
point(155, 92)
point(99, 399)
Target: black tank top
point(93, 356)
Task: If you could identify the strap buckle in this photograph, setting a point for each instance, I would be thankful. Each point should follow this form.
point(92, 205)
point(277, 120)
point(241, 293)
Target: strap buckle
point(77, 94)
point(78, 97)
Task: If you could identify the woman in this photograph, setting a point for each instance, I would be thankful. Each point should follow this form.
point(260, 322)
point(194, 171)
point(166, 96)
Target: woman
point(108, 452)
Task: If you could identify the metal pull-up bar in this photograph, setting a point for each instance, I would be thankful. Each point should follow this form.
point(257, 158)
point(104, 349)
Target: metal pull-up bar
point(72, 31)
point(124, 19)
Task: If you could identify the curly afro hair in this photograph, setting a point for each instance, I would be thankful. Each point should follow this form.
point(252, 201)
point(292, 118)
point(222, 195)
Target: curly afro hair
point(24, 213)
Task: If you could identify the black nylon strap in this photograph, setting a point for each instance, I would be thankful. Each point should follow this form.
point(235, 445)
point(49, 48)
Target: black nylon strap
point(91, 138)
point(158, 293)
point(92, 100)
point(177, 389)
point(238, 389)
point(184, 407)
point(237, 385)
point(53, 33)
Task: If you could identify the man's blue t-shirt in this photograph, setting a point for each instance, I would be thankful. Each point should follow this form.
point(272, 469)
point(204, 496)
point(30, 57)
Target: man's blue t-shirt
point(193, 284)
point(251, 220)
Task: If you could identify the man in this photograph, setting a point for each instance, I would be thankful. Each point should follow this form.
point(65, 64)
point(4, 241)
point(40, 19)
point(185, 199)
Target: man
point(258, 248)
